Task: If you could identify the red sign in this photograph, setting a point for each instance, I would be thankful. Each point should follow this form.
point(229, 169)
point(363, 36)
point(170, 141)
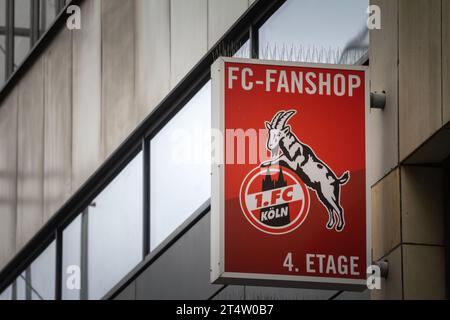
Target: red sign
point(289, 201)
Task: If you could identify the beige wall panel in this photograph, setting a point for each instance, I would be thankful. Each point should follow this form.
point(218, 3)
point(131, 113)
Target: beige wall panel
point(423, 272)
point(391, 287)
point(386, 228)
point(119, 114)
point(189, 36)
point(58, 123)
point(8, 178)
point(422, 205)
point(383, 124)
point(446, 59)
point(30, 154)
point(86, 123)
point(420, 72)
point(221, 16)
point(152, 69)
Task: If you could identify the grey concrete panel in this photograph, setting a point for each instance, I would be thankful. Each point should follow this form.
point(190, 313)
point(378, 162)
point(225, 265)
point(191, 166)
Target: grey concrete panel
point(189, 36)
point(30, 154)
point(58, 123)
point(420, 72)
point(383, 124)
point(424, 272)
point(119, 114)
point(392, 286)
point(152, 70)
point(8, 177)
point(86, 122)
point(182, 272)
point(221, 16)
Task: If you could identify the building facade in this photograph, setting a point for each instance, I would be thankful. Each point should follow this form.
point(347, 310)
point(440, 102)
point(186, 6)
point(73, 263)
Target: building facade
point(87, 124)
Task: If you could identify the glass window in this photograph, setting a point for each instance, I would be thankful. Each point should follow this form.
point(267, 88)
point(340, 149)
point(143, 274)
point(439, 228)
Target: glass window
point(23, 291)
point(37, 282)
point(22, 34)
point(47, 14)
point(104, 243)
point(7, 294)
point(2, 41)
point(325, 31)
point(115, 230)
point(244, 51)
point(42, 275)
point(71, 260)
point(180, 167)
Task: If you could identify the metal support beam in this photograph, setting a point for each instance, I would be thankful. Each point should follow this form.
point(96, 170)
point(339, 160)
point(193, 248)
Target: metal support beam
point(58, 264)
point(9, 38)
point(43, 16)
point(84, 255)
point(34, 23)
point(28, 284)
point(254, 42)
point(14, 291)
point(22, 32)
point(146, 197)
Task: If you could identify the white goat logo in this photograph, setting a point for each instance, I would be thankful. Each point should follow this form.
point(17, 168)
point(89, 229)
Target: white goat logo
point(300, 158)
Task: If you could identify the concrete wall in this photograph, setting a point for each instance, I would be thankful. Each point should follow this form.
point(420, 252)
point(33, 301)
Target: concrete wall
point(87, 92)
point(409, 59)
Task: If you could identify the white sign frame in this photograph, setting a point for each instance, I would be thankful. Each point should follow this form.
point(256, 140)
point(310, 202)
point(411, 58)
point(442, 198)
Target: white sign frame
point(218, 274)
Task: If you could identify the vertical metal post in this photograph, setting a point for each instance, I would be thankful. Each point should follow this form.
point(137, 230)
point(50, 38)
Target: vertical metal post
point(28, 284)
point(254, 42)
point(9, 37)
point(43, 16)
point(14, 290)
point(146, 197)
point(59, 264)
point(84, 255)
point(34, 22)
